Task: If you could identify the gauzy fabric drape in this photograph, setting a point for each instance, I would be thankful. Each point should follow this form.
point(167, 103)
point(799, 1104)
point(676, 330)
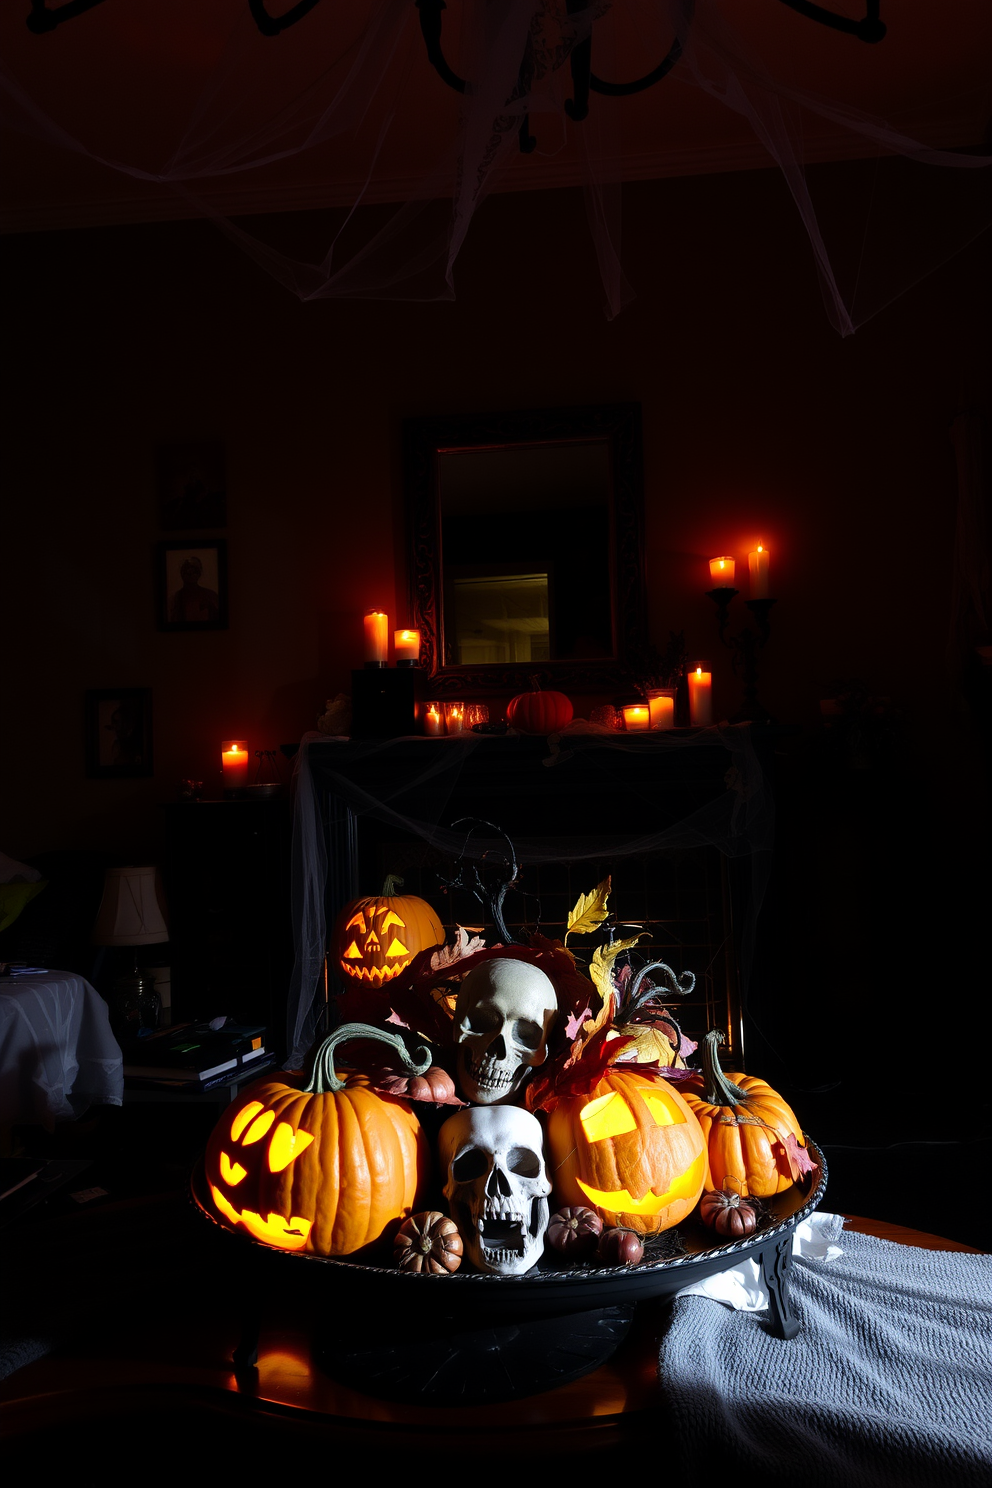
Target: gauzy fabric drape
point(345, 77)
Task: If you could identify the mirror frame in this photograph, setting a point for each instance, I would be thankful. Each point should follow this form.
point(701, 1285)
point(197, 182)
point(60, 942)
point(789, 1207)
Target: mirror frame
point(424, 439)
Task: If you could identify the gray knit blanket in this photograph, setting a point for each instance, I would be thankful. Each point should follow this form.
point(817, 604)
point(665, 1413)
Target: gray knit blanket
point(887, 1385)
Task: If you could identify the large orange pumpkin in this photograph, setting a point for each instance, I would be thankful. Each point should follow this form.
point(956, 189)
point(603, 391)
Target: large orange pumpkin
point(323, 1164)
point(630, 1148)
point(377, 937)
point(746, 1124)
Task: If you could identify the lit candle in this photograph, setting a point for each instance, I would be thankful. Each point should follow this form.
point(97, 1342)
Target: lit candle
point(376, 638)
point(234, 763)
point(433, 722)
point(757, 565)
point(406, 645)
point(454, 717)
point(636, 717)
point(661, 707)
point(722, 573)
point(700, 696)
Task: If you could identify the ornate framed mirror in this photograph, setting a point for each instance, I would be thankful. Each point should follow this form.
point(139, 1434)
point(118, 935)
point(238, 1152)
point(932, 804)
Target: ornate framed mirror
point(526, 536)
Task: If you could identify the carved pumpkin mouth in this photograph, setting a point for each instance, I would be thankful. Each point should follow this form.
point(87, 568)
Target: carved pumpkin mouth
point(274, 1229)
point(621, 1201)
point(373, 973)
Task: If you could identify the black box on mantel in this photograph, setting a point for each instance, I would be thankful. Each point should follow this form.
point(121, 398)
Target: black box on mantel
point(387, 702)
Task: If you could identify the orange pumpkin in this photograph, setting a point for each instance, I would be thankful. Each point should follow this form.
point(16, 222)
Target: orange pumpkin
point(323, 1165)
point(539, 712)
point(747, 1126)
point(630, 1148)
point(377, 937)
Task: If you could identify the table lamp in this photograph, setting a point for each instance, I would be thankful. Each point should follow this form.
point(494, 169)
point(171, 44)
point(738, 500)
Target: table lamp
point(132, 913)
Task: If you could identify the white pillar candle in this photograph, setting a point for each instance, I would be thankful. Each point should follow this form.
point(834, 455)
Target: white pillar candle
point(377, 636)
point(700, 697)
point(433, 719)
point(757, 565)
point(661, 708)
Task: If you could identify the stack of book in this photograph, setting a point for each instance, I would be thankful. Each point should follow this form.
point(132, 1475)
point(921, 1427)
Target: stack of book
point(196, 1055)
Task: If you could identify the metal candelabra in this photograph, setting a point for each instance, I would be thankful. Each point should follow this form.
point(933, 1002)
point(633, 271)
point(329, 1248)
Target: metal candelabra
point(745, 648)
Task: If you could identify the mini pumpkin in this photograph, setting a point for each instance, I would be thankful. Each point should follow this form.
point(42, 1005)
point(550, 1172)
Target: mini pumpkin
point(539, 712)
point(724, 1210)
point(375, 938)
point(620, 1247)
point(747, 1126)
point(428, 1242)
point(318, 1163)
point(574, 1231)
point(630, 1148)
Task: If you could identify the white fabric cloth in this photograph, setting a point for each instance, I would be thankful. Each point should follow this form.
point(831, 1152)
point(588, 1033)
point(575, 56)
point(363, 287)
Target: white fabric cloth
point(743, 1287)
point(58, 1055)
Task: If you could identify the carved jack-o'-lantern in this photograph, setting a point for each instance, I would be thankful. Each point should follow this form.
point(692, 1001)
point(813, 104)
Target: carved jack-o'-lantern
point(631, 1149)
point(376, 938)
point(324, 1165)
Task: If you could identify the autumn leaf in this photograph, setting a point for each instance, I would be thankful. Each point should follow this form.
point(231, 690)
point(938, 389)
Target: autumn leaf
point(601, 965)
point(799, 1159)
point(590, 910)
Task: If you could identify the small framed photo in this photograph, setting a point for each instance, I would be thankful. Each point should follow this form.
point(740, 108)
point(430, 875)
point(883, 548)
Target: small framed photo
point(192, 485)
point(192, 584)
point(118, 733)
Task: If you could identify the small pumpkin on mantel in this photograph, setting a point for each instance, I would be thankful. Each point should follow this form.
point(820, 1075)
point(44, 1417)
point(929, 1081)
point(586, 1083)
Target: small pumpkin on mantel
point(539, 712)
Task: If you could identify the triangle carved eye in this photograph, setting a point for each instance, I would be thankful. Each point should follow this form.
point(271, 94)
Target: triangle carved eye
point(391, 919)
point(397, 948)
point(352, 953)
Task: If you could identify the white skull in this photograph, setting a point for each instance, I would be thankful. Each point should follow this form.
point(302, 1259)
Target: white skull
point(498, 1186)
point(503, 1016)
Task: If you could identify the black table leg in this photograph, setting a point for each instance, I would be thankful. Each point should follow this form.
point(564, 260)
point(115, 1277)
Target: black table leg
point(776, 1263)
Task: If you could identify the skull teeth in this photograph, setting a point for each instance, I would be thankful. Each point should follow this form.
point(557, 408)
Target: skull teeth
point(506, 1216)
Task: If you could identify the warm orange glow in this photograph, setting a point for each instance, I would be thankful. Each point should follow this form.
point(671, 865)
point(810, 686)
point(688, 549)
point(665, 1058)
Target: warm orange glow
point(276, 1230)
point(406, 645)
point(661, 1110)
point(700, 696)
point(353, 953)
point(722, 572)
point(433, 721)
point(373, 973)
point(258, 1128)
point(607, 1116)
point(246, 1114)
point(376, 636)
point(286, 1146)
point(392, 918)
point(757, 564)
point(397, 948)
point(231, 1172)
point(357, 919)
point(454, 717)
point(622, 1202)
point(636, 717)
point(234, 763)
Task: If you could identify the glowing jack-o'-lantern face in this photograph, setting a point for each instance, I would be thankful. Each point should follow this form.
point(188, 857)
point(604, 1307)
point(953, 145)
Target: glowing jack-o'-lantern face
point(631, 1149)
point(375, 939)
point(318, 1164)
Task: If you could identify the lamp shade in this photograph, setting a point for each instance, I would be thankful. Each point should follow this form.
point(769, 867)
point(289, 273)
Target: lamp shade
point(131, 911)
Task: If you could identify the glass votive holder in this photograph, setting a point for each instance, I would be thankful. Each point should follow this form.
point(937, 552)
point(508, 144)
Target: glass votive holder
point(636, 718)
point(434, 719)
point(454, 718)
point(661, 707)
point(476, 713)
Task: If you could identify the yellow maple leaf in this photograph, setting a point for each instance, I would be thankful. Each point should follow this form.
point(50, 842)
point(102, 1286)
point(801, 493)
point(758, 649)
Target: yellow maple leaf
point(590, 910)
point(601, 965)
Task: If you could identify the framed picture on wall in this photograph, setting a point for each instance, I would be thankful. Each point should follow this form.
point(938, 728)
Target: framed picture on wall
point(192, 485)
point(118, 723)
point(192, 584)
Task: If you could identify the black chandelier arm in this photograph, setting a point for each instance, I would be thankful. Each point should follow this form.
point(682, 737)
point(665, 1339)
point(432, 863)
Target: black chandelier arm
point(273, 25)
point(42, 20)
point(430, 30)
point(870, 28)
point(623, 90)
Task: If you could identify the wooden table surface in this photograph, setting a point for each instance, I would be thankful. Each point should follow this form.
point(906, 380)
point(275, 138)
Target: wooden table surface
point(169, 1368)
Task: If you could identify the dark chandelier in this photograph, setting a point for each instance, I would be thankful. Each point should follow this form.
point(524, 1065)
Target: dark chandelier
point(869, 28)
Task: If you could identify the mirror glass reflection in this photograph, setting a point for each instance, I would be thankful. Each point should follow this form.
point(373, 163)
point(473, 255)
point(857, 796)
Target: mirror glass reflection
point(527, 553)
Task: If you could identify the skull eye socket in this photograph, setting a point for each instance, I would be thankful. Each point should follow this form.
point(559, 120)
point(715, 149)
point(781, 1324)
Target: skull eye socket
point(482, 1019)
point(527, 1034)
point(524, 1163)
point(472, 1163)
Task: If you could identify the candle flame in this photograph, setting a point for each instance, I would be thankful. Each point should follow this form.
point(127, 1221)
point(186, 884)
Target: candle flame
point(699, 671)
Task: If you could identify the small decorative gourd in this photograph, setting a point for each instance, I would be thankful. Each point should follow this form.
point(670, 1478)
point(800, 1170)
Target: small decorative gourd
point(620, 1247)
point(574, 1232)
point(428, 1243)
point(539, 712)
point(724, 1210)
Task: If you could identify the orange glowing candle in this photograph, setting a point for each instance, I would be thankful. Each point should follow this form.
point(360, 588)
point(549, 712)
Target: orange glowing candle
point(406, 647)
point(700, 696)
point(234, 763)
point(636, 717)
point(757, 564)
point(661, 707)
point(376, 638)
point(454, 717)
point(433, 721)
point(722, 573)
